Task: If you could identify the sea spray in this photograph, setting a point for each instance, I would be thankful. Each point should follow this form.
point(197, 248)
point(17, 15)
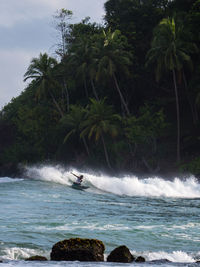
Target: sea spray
point(48, 174)
point(18, 253)
point(126, 185)
point(150, 187)
point(175, 256)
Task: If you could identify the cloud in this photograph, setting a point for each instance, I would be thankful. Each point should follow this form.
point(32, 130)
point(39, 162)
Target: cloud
point(26, 29)
point(13, 12)
point(91, 8)
point(13, 66)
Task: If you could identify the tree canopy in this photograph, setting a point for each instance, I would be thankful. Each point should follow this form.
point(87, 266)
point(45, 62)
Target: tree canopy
point(100, 104)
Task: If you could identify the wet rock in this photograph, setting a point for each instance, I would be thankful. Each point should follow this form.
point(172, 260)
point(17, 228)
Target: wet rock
point(36, 258)
point(120, 254)
point(140, 259)
point(78, 249)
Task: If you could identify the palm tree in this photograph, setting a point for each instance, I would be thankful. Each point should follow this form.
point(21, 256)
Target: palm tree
point(41, 70)
point(114, 59)
point(81, 59)
point(73, 121)
point(170, 52)
point(100, 120)
point(81, 55)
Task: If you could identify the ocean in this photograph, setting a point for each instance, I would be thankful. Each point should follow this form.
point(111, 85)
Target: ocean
point(155, 217)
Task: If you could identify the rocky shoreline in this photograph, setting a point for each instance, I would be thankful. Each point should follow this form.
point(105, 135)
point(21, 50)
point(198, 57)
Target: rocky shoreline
point(87, 250)
point(90, 250)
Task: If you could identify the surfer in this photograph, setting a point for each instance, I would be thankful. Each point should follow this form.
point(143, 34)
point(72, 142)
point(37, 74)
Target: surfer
point(79, 178)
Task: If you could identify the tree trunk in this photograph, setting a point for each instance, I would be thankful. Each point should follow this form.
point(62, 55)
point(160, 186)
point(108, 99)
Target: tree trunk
point(106, 152)
point(94, 90)
point(121, 96)
point(178, 118)
point(194, 117)
point(86, 146)
point(57, 105)
point(86, 90)
point(67, 93)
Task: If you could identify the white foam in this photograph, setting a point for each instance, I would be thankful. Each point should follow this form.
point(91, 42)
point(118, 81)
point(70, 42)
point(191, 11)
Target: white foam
point(49, 174)
point(175, 256)
point(85, 225)
point(149, 187)
point(9, 180)
point(147, 226)
point(127, 185)
point(186, 226)
point(16, 253)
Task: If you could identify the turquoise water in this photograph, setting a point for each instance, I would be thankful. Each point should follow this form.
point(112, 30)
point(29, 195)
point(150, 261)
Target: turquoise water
point(154, 217)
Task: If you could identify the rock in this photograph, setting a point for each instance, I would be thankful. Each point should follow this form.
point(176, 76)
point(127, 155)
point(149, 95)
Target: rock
point(120, 254)
point(36, 258)
point(140, 259)
point(78, 249)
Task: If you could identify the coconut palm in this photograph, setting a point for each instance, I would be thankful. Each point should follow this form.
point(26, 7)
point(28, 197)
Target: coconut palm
point(81, 55)
point(73, 121)
point(113, 60)
point(170, 52)
point(101, 120)
point(41, 70)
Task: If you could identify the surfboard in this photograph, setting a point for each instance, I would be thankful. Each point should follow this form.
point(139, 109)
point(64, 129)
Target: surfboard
point(79, 186)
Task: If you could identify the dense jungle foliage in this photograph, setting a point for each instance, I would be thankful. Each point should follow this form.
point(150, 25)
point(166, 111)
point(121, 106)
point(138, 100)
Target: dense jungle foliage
point(123, 95)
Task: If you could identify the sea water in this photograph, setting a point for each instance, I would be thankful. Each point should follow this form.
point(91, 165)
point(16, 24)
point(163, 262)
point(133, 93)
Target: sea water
point(154, 217)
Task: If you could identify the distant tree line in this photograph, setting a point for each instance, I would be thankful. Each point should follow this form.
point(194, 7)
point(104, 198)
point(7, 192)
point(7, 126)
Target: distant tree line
point(123, 95)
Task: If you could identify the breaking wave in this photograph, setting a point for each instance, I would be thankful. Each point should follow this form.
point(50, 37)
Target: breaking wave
point(126, 185)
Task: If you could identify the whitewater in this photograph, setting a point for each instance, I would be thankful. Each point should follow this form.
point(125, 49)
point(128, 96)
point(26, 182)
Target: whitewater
point(154, 217)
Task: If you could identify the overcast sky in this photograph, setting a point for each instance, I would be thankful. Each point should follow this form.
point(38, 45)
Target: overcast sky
point(26, 29)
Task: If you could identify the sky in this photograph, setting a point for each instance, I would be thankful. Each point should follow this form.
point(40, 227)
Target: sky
point(26, 30)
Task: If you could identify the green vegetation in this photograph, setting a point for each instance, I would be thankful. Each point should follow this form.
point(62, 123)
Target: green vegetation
point(121, 96)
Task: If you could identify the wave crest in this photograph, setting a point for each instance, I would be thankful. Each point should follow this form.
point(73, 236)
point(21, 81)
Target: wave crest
point(125, 185)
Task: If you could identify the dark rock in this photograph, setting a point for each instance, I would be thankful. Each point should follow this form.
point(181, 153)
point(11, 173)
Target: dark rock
point(120, 254)
point(78, 249)
point(140, 259)
point(198, 262)
point(36, 258)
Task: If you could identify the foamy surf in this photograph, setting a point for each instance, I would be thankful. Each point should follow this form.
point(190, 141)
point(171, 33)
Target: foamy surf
point(149, 187)
point(17, 253)
point(9, 180)
point(49, 174)
point(126, 185)
point(175, 256)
